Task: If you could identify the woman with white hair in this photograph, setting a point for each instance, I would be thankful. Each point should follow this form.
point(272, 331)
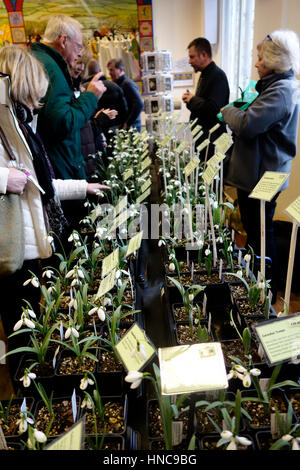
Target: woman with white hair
point(265, 135)
point(23, 82)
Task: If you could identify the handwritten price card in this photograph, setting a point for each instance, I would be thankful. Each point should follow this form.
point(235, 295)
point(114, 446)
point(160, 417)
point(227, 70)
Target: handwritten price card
point(190, 167)
point(210, 173)
point(223, 143)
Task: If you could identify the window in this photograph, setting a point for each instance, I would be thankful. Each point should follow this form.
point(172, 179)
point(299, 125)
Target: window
point(237, 43)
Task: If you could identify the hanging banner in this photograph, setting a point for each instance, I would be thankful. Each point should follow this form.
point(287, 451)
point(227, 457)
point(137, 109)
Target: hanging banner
point(145, 25)
point(16, 21)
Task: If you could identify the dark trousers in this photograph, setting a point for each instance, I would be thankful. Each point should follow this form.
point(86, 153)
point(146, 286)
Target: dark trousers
point(250, 216)
point(12, 294)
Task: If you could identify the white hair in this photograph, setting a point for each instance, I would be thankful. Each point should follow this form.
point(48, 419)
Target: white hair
point(281, 51)
point(61, 24)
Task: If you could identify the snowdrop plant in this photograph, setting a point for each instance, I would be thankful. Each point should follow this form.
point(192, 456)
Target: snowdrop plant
point(289, 432)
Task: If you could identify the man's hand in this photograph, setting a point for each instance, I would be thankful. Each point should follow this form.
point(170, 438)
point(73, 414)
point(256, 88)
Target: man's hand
point(111, 113)
point(97, 86)
point(16, 181)
point(187, 96)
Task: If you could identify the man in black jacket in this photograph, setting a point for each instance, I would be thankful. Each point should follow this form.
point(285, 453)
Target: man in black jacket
point(135, 103)
point(212, 92)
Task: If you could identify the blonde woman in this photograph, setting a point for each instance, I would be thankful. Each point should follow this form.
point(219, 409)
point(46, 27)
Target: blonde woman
point(21, 89)
point(265, 135)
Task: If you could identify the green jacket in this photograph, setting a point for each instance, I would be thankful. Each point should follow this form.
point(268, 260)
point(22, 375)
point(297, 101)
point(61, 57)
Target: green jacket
point(62, 115)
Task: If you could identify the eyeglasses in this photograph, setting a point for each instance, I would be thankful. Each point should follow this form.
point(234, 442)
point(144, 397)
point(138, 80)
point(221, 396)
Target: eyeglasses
point(77, 45)
point(269, 37)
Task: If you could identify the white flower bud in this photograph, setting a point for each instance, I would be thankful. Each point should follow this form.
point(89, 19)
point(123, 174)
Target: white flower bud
point(255, 372)
point(39, 435)
point(243, 440)
point(226, 434)
point(172, 267)
point(247, 258)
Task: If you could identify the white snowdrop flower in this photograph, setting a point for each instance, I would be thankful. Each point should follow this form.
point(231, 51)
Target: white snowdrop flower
point(177, 183)
point(35, 282)
point(87, 204)
point(31, 313)
point(247, 258)
point(119, 283)
point(75, 282)
point(200, 244)
point(219, 240)
point(85, 382)
point(230, 248)
point(101, 314)
point(124, 231)
point(215, 204)
point(247, 380)
point(207, 252)
point(18, 324)
point(240, 368)
point(240, 273)
point(73, 303)
point(243, 440)
point(87, 403)
point(191, 297)
point(256, 372)
point(226, 434)
point(72, 330)
point(39, 435)
point(80, 273)
point(296, 443)
point(70, 273)
point(217, 227)
point(261, 285)
point(171, 256)
point(172, 267)
point(231, 375)
point(107, 301)
point(93, 310)
point(160, 243)
point(26, 379)
point(48, 273)
point(118, 274)
point(23, 423)
point(134, 377)
point(50, 239)
point(196, 321)
point(287, 437)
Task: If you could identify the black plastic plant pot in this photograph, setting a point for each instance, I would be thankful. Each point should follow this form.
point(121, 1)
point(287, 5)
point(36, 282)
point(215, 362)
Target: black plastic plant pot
point(63, 415)
point(10, 430)
point(44, 375)
point(209, 442)
point(183, 334)
point(65, 382)
point(261, 420)
point(234, 347)
point(115, 417)
point(264, 440)
point(110, 375)
point(293, 394)
point(179, 314)
point(13, 445)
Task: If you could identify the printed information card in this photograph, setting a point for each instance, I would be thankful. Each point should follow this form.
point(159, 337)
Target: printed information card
point(192, 368)
point(71, 440)
point(269, 185)
point(134, 349)
point(280, 338)
point(294, 210)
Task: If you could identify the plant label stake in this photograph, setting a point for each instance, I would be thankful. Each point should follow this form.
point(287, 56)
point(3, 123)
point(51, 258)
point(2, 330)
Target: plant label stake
point(239, 257)
point(294, 211)
point(211, 226)
point(267, 187)
point(164, 170)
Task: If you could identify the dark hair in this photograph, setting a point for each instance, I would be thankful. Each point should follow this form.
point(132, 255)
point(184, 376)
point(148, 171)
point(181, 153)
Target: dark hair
point(118, 63)
point(201, 45)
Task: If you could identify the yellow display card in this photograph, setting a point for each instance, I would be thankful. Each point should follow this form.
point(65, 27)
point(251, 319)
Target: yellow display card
point(216, 159)
point(134, 349)
point(197, 136)
point(110, 262)
point(166, 140)
point(280, 338)
point(196, 130)
point(269, 185)
point(106, 284)
point(294, 209)
point(121, 205)
point(145, 163)
point(143, 196)
point(192, 123)
point(192, 368)
point(121, 219)
point(182, 146)
point(190, 167)
point(223, 143)
point(145, 152)
point(134, 243)
point(146, 174)
point(213, 129)
point(210, 173)
point(128, 173)
point(146, 185)
point(73, 439)
point(203, 145)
